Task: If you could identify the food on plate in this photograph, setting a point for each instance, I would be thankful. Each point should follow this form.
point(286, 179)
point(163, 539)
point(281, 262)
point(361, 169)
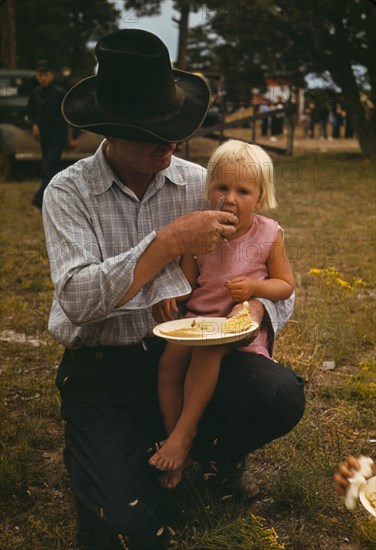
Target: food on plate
point(240, 322)
point(198, 326)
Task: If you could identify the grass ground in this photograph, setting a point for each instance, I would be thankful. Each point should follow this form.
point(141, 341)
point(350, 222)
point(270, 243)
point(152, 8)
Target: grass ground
point(327, 206)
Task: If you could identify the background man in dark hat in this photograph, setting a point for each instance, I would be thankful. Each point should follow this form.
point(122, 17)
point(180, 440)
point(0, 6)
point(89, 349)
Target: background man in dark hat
point(48, 125)
point(116, 225)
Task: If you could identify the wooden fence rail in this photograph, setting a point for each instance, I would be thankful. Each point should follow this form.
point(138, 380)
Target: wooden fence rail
point(217, 131)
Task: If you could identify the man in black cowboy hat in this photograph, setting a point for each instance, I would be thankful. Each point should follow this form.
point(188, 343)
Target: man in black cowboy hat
point(116, 225)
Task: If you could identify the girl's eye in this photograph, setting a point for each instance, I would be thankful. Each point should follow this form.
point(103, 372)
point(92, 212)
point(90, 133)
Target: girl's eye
point(243, 191)
point(221, 187)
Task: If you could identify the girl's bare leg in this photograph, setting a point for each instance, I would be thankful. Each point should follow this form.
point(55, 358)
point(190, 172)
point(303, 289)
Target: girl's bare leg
point(171, 373)
point(199, 385)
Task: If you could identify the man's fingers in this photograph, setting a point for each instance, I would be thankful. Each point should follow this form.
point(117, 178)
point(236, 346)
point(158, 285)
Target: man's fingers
point(200, 232)
point(166, 312)
point(226, 218)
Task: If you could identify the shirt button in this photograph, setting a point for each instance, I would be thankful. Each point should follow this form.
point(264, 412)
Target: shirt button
point(99, 355)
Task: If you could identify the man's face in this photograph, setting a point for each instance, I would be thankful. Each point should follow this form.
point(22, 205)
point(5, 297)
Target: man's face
point(146, 158)
point(44, 78)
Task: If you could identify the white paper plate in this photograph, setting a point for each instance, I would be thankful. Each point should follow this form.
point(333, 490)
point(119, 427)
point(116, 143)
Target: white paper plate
point(368, 489)
point(213, 334)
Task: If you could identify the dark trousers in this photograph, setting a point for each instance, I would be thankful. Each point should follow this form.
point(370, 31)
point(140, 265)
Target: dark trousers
point(110, 405)
point(265, 126)
point(52, 145)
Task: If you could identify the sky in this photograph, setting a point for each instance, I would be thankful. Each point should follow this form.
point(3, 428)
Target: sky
point(161, 25)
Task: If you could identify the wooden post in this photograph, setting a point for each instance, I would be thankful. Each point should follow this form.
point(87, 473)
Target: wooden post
point(290, 133)
point(254, 123)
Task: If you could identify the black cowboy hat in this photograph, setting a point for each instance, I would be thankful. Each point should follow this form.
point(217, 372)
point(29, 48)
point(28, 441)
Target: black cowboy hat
point(136, 95)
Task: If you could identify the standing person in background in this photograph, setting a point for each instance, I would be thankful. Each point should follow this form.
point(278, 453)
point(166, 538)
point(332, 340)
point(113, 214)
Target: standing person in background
point(306, 123)
point(323, 116)
point(48, 125)
point(313, 119)
point(264, 108)
point(277, 120)
point(347, 116)
point(336, 120)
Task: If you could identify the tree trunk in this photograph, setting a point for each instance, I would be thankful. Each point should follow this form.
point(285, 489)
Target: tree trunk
point(363, 118)
point(8, 34)
point(183, 36)
point(365, 128)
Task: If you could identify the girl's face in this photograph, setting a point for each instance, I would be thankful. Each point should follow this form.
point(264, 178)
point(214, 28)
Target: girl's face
point(238, 184)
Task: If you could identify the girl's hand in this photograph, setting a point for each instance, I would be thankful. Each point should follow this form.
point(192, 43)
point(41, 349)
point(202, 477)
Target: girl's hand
point(164, 310)
point(241, 288)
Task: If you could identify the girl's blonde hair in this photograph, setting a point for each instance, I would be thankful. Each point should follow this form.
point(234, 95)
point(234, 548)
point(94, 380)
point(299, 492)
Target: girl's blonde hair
point(253, 158)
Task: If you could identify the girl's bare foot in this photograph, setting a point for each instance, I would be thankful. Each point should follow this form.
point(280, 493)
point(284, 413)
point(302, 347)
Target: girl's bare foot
point(172, 455)
point(170, 480)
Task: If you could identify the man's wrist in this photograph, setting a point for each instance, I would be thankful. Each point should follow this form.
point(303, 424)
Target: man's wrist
point(169, 243)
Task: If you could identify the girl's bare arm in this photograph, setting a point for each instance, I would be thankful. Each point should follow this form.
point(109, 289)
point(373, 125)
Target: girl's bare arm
point(280, 284)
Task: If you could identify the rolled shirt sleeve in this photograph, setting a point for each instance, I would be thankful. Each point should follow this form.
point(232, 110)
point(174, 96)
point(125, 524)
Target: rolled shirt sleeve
point(279, 313)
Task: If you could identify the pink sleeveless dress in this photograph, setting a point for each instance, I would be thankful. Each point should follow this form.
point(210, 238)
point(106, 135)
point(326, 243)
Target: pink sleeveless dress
point(246, 255)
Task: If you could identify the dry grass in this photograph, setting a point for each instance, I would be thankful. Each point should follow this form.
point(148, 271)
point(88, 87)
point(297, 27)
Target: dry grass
point(327, 208)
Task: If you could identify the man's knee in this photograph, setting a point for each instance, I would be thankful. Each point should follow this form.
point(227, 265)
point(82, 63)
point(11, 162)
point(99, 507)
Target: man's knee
point(288, 407)
point(137, 528)
point(129, 525)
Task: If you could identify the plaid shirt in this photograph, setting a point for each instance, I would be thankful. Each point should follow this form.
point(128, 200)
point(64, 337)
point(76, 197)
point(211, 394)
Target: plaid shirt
point(96, 229)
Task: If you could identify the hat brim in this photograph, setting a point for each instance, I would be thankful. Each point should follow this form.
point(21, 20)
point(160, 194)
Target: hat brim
point(81, 109)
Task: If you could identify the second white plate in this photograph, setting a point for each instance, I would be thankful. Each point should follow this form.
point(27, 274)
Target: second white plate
point(367, 494)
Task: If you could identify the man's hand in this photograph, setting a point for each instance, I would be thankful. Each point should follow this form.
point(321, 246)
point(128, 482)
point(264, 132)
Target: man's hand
point(164, 310)
point(256, 310)
point(195, 233)
point(36, 131)
point(241, 288)
point(346, 470)
point(200, 232)
point(73, 143)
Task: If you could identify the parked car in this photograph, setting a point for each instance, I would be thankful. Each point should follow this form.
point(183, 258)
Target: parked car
point(16, 141)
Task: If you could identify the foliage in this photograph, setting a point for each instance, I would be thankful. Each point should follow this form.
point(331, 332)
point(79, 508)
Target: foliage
point(62, 31)
point(294, 39)
point(153, 7)
point(183, 7)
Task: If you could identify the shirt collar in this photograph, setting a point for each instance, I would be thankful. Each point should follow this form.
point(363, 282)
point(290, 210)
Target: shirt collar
point(174, 173)
point(104, 175)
